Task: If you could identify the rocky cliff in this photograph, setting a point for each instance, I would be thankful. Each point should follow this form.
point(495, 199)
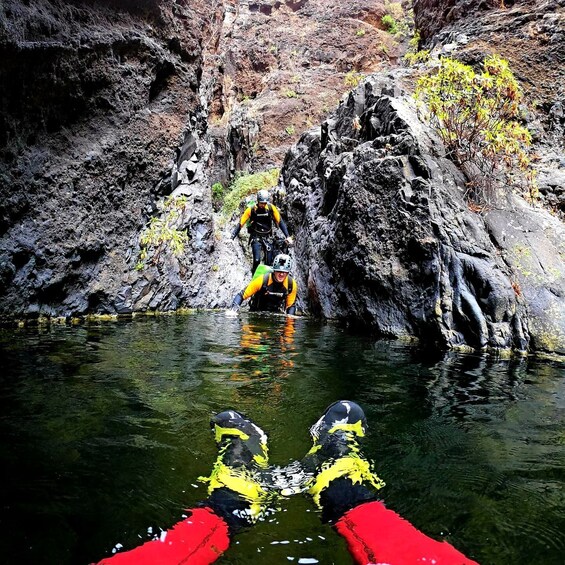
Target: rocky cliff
point(95, 100)
point(108, 108)
point(387, 239)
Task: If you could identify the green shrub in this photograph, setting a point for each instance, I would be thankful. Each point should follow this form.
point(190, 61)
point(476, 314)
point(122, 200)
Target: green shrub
point(246, 184)
point(475, 115)
point(389, 24)
point(217, 191)
point(218, 194)
point(353, 78)
point(415, 57)
point(162, 234)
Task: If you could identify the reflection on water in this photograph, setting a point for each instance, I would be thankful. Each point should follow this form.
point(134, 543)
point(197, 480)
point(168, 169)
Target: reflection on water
point(104, 432)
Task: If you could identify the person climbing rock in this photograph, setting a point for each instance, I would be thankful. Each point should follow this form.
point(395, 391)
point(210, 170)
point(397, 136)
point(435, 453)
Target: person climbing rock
point(272, 292)
point(241, 490)
point(261, 216)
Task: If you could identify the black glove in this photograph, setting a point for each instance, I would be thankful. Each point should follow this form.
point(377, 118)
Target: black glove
point(235, 232)
point(237, 300)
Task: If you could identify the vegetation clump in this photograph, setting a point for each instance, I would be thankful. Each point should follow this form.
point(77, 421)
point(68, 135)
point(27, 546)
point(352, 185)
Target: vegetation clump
point(353, 78)
point(217, 191)
point(396, 20)
point(245, 185)
point(414, 55)
point(476, 114)
point(389, 24)
point(162, 233)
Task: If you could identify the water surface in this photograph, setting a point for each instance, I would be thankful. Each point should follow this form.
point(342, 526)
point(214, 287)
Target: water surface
point(104, 432)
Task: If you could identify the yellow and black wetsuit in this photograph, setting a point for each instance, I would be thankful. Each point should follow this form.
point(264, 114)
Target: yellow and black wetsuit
point(261, 220)
point(260, 229)
point(269, 295)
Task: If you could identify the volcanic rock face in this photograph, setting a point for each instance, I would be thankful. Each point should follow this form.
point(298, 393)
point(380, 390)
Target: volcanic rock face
point(282, 66)
point(387, 241)
point(94, 101)
point(108, 106)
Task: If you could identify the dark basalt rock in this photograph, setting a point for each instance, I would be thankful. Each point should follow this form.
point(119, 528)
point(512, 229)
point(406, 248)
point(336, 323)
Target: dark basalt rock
point(387, 241)
point(109, 106)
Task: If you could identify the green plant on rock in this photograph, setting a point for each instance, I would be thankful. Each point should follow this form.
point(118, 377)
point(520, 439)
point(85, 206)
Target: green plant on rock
point(245, 185)
point(413, 55)
point(217, 191)
point(476, 113)
point(390, 24)
point(353, 78)
point(218, 194)
point(290, 130)
point(397, 20)
point(414, 42)
point(162, 233)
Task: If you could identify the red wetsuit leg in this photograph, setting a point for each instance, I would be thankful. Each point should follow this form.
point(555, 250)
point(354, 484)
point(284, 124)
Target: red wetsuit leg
point(375, 534)
point(198, 540)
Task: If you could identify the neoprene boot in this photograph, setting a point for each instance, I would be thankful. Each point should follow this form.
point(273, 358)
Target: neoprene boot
point(341, 476)
point(235, 490)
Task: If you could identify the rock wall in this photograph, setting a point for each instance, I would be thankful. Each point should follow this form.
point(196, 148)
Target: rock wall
point(386, 240)
point(530, 35)
point(96, 96)
point(109, 107)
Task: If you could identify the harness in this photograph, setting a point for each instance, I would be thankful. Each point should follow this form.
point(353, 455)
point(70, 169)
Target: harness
point(261, 221)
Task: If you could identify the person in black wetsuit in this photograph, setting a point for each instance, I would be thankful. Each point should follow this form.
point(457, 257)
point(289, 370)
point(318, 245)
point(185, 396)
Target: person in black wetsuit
point(261, 217)
point(272, 292)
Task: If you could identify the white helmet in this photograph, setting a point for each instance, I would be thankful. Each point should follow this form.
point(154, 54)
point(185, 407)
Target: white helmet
point(282, 263)
point(262, 196)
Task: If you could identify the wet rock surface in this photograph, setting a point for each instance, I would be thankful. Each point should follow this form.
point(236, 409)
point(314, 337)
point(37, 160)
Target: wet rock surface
point(387, 241)
point(109, 107)
point(95, 97)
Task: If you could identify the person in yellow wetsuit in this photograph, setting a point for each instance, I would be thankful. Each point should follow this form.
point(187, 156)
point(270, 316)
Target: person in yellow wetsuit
point(271, 292)
point(261, 217)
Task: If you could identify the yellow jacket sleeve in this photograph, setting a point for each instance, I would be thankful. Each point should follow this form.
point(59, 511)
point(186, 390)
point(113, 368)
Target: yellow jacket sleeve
point(291, 296)
point(245, 217)
point(276, 214)
point(253, 287)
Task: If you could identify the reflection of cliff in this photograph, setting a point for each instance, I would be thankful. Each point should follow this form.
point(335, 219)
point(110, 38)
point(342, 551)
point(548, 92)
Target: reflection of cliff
point(463, 384)
point(481, 440)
